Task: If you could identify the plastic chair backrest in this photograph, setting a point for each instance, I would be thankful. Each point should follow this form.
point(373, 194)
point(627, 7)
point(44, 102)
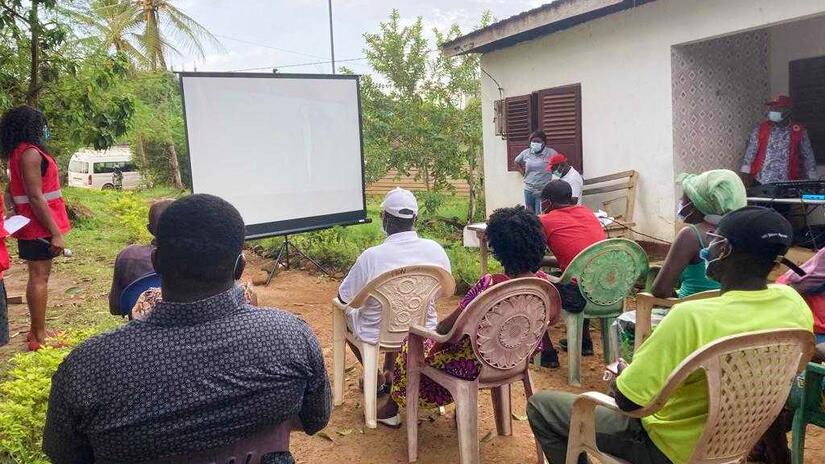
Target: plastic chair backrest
point(248, 450)
point(132, 292)
point(606, 272)
point(505, 324)
point(748, 378)
point(405, 295)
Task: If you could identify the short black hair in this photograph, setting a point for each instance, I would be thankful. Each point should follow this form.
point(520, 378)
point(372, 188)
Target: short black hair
point(517, 239)
point(539, 134)
point(558, 191)
point(396, 224)
point(199, 237)
point(20, 124)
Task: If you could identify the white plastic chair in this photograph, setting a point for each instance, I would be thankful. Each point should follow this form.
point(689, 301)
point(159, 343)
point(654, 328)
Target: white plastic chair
point(405, 295)
point(748, 376)
point(504, 324)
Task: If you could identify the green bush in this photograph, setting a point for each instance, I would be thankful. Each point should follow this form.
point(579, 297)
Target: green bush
point(24, 395)
point(466, 265)
point(133, 214)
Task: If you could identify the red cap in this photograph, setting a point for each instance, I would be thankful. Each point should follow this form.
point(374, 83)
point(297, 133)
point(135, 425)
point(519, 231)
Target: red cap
point(781, 101)
point(558, 158)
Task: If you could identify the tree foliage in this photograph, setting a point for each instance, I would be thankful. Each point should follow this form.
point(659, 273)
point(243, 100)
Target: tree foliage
point(422, 110)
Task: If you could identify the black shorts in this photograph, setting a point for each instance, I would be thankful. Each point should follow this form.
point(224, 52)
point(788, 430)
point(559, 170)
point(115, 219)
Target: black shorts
point(34, 250)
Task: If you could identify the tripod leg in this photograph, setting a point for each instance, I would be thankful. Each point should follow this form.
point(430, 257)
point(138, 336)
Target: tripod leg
point(318, 265)
point(277, 262)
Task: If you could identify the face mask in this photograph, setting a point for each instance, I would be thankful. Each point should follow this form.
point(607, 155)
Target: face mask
point(536, 147)
point(46, 133)
point(384, 229)
point(704, 255)
point(775, 116)
point(680, 210)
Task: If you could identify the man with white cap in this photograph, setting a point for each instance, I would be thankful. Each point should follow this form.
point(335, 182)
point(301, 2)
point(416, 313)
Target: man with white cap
point(402, 247)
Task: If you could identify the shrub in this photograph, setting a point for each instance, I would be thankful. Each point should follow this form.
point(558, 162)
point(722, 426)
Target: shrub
point(133, 214)
point(24, 395)
point(466, 265)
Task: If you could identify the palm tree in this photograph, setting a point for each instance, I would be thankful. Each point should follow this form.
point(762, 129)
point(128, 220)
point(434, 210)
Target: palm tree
point(146, 30)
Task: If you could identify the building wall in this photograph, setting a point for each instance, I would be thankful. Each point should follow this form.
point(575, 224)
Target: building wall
point(794, 41)
point(719, 90)
point(623, 62)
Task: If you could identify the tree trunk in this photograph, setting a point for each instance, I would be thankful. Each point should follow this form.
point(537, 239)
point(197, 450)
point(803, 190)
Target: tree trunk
point(34, 78)
point(471, 181)
point(426, 177)
point(173, 163)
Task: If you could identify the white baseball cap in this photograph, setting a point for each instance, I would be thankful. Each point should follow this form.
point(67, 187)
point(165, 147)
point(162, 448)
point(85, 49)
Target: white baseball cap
point(400, 203)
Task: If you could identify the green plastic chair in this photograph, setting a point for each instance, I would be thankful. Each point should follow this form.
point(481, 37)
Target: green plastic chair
point(606, 272)
point(806, 399)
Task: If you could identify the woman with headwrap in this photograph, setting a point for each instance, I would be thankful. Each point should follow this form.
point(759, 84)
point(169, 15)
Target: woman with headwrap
point(706, 198)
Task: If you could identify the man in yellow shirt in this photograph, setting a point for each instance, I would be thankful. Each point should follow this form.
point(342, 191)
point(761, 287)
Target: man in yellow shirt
point(744, 249)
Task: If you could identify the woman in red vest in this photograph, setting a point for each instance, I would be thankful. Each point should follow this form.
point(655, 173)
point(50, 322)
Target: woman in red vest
point(34, 185)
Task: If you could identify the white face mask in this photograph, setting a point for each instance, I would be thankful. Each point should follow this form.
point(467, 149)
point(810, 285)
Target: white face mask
point(536, 147)
point(775, 116)
point(680, 210)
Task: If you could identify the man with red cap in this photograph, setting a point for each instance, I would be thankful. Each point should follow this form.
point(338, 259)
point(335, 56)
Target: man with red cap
point(560, 168)
point(779, 148)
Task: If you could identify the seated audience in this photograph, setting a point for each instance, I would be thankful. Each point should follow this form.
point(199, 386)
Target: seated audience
point(812, 288)
point(706, 198)
point(402, 247)
point(135, 261)
point(745, 247)
point(202, 371)
point(516, 240)
point(561, 169)
point(569, 228)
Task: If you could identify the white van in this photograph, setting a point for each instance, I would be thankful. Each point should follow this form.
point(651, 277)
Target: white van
point(101, 169)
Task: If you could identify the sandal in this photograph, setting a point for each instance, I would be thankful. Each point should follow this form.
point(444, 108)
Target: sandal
point(393, 422)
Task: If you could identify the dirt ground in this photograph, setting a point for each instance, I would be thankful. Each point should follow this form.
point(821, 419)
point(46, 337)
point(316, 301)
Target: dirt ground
point(346, 439)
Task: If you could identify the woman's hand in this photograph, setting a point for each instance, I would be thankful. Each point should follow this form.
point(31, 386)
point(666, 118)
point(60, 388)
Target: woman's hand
point(57, 245)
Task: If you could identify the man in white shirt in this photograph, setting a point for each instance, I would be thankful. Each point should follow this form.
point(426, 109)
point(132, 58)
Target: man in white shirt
point(561, 169)
point(402, 247)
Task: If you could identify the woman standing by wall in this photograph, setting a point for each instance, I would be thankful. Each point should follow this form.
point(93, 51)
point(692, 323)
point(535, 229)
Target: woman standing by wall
point(34, 185)
point(532, 163)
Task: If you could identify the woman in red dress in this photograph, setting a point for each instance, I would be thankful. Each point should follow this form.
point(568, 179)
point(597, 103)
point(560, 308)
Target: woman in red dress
point(34, 185)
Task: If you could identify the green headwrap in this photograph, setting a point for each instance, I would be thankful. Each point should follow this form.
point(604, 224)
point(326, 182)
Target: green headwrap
point(718, 192)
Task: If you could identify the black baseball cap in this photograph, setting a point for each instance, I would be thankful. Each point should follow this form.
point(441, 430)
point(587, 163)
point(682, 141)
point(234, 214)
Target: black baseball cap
point(758, 231)
point(558, 191)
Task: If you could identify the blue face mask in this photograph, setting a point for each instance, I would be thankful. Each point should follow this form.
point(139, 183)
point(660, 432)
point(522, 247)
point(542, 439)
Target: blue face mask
point(46, 133)
point(536, 147)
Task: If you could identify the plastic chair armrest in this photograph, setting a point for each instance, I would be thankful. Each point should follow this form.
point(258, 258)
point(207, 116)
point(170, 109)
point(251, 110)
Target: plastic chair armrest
point(816, 369)
point(423, 332)
point(338, 304)
point(653, 301)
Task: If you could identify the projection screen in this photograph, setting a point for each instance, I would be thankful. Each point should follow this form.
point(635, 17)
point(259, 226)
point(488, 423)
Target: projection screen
point(285, 149)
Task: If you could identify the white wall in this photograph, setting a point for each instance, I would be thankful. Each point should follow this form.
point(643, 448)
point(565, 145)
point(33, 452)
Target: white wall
point(623, 64)
point(794, 41)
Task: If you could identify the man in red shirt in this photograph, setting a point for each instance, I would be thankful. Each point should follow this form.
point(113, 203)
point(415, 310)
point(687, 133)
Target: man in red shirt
point(569, 228)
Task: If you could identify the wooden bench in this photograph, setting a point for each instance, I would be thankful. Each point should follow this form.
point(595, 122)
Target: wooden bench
point(614, 194)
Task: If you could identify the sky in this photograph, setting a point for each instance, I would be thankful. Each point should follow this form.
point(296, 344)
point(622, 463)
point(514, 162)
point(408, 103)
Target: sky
point(258, 35)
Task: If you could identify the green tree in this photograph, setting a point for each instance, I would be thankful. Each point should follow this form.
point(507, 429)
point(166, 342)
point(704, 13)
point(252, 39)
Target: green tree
point(115, 22)
point(422, 111)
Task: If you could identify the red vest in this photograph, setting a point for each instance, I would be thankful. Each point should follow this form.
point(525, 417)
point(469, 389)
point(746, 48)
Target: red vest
point(793, 156)
point(4, 252)
point(51, 190)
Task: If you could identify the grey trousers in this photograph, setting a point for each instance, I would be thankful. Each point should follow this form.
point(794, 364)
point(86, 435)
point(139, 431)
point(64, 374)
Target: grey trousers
point(621, 436)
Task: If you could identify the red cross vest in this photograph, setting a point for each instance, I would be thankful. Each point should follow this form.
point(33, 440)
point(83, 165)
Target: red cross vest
point(4, 252)
point(51, 190)
point(797, 131)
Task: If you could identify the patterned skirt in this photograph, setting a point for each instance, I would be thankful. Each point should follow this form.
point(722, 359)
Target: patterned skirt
point(457, 360)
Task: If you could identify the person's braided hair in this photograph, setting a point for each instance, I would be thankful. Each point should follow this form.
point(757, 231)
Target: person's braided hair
point(20, 124)
point(517, 240)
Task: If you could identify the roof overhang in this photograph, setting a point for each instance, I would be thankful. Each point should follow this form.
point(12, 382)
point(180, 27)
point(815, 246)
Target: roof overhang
point(544, 20)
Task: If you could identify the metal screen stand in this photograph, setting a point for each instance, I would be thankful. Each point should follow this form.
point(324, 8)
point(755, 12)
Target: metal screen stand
point(283, 256)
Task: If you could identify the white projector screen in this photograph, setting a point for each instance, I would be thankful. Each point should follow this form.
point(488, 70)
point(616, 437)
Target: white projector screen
point(285, 149)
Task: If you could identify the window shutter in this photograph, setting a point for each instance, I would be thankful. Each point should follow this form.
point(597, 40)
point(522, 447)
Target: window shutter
point(519, 122)
point(559, 115)
point(807, 85)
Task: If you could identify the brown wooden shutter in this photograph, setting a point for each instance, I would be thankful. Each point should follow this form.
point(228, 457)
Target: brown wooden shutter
point(560, 116)
point(519, 114)
point(807, 85)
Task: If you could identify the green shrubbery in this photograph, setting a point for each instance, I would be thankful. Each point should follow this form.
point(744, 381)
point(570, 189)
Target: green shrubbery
point(339, 247)
point(24, 395)
point(133, 213)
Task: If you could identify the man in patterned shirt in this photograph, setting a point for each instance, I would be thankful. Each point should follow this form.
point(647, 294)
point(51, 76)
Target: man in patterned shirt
point(779, 149)
point(203, 370)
